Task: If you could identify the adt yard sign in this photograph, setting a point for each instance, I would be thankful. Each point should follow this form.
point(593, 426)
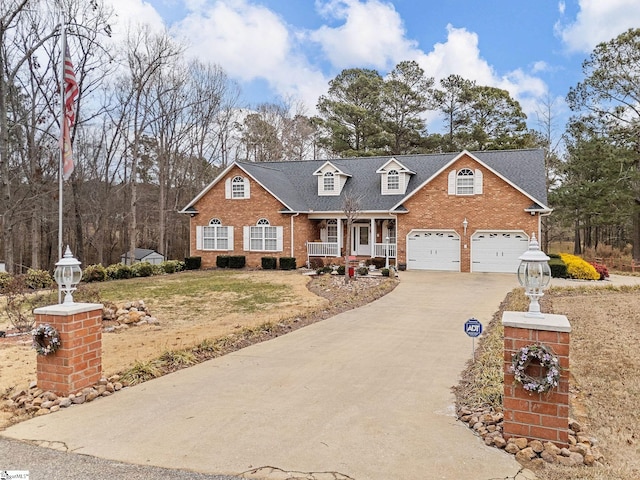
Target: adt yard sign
point(473, 327)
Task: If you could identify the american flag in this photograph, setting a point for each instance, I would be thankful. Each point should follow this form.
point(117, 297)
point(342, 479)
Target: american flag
point(70, 94)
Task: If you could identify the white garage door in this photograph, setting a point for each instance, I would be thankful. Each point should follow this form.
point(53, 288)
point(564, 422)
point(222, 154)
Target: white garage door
point(429, 250)
point(497, 251)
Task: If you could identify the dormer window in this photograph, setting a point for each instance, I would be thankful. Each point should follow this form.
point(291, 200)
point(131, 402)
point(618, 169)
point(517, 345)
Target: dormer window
point(329, 182)
point(465, 182)
point(237, 188)
point(393, 180)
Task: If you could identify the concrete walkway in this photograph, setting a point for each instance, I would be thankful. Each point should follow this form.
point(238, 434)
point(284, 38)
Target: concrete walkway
point(364, 395)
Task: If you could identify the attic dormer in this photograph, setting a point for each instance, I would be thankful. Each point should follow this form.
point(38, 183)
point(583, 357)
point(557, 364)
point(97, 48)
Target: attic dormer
point(331, 179)
point(394, 178)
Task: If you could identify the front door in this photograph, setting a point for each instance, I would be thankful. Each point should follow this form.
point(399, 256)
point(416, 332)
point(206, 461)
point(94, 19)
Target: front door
point(361, 240)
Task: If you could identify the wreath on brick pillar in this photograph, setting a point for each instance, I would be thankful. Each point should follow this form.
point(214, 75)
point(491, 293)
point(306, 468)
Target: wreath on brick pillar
point(46, 339)
point(550, 368)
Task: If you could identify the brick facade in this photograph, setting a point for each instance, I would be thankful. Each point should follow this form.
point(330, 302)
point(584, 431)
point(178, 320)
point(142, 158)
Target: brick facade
point(501, 207)
point(78, 362)
point(536, 416)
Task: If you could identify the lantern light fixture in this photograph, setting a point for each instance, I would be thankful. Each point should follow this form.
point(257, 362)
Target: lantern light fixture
point(68, 275)
point(534, 274)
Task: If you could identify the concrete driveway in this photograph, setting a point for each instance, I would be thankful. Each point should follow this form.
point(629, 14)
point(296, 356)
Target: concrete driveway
point(365, 395)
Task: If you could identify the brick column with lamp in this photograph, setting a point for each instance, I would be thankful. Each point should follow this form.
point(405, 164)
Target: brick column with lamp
point(536, 361)
point(74, 330)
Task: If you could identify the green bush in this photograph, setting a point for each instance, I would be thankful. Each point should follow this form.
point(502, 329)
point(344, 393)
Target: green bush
point(362, 271)
point(119, 271)
point(385, 272)
point(94, 273)
point(5, 280)
point(287, 263)
point(172, 266)
point(222, 261)
point(142, 269)
point(269, 263)
point(192, 263)
point(378, 262)
point(558, 268)
point(237, 261)
point(341, 270)
point(37, 279)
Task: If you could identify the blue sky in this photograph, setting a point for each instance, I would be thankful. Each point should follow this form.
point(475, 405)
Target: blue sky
point(292, 48)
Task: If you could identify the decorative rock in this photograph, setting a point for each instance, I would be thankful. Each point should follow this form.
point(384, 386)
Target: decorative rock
point(65, 402)
point(566, 461)
point(499, 442)
point(575, 426)
point(92, 395)
point(536, 446)
point(511, 448)
point(589, 460)
point(55, 408)
point(579, 459)
point(78, 399)
point(548, 457)
point(520, 442)
point(525, 455)
point(42, 411)
point(48, 404)
point(117, 386)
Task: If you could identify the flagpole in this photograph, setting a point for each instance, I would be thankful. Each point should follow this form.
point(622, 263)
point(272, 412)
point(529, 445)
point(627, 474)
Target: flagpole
point(63, 49)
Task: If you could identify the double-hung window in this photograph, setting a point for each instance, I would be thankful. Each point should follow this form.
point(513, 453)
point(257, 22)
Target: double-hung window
point(262, 237)
point(393, 180)
point(214, 236)
point(464, 182)
point(332, 231)
point(329, 182)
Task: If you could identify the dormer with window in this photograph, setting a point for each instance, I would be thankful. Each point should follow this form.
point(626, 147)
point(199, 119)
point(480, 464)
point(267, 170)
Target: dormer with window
point(237, 188)
point(331, 179)
point(465, 182)
point(394, 178)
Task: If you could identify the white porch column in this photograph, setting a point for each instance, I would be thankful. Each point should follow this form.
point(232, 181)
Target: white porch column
point(340, 235)
point(372, 237)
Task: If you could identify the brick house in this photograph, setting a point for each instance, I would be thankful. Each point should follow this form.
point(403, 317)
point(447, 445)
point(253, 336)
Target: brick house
point(466, 211)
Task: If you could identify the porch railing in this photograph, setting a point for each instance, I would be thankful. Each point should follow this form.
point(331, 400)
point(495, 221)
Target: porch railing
point(384, 249)
point(322, 249)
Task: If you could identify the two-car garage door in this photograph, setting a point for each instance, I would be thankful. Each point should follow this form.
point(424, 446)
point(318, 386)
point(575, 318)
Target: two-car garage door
point(490, 251)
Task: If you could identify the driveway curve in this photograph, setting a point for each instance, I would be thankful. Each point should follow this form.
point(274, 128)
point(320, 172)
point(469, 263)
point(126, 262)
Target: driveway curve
point(364, 395)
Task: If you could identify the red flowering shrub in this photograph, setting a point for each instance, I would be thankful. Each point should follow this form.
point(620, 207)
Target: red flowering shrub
point(601, 269)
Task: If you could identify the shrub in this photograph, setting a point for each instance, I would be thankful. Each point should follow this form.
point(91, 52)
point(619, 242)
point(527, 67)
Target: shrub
point(119, 271)
point(385, 272)
point(94, 273)
point(237, 261)
point(287, 263)
point(192, 263)
point(602, 270)
point(37, 279)
point(222, 261)
point(325, 269)
point(315, 263)
point(172, 266)
point(378, 262)
point(341, 270)
point(5, 280)
point(269, 263)
point(579, 268)
point(558, 268)
point(142, 269)
point(362, 271)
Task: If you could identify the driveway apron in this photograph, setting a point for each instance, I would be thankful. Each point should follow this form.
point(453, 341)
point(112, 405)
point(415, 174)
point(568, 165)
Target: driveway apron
point(364, 395)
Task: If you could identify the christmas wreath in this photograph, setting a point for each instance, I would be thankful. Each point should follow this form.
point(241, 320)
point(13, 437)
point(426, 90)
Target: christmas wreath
point(46, 339)
point(548, 362)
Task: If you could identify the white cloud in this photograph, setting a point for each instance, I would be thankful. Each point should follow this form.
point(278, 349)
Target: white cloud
point(132, 12)
point(599, 21)
point(371, 34)
point(562, 7)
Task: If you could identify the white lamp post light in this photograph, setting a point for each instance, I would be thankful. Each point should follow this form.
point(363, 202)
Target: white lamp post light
point(534, 274)
point(386, 254)
point(68, 275)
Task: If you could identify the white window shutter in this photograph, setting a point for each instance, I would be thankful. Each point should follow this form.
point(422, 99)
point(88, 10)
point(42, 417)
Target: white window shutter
point(230, 237)
point(477, 179)
point(247, 188)
point(246, 238)
point(198, 237)
point(279, 235)
point(227, 188)
point(452, 182)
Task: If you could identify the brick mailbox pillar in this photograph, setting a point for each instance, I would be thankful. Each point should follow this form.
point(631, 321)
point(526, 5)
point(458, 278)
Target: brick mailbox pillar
point(532, 415)
point(78, 362)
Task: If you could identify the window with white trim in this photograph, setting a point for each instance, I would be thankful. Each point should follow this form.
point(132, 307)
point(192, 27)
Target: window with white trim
point(393, 180)
point(264, 237)
point(237, 187)
point(214, 236)
point(329, 182)
point(332, 231)
point(465, 182)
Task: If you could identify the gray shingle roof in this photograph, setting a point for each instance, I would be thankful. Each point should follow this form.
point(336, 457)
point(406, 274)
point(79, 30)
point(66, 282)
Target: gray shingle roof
point(294, 184)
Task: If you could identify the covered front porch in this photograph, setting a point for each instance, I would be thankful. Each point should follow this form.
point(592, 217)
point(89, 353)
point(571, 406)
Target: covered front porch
point(369, 238)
